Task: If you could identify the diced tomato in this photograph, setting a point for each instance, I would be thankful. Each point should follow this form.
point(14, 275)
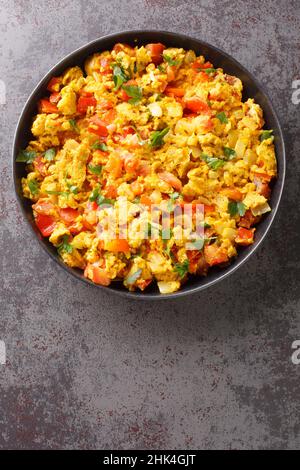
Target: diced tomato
point(98, 126)
point(114, 166)
point(97, 275)
point(84, 102)
point(215, 255)
point(91, 206)
point(248, 219)
point(110, 115)
point(45, 223)
point(143, 283)
point(54, 84)
point(105, 105)
point(171, 71)
point(54, 97)
point(245, 236)
point(233, 193)
point(137, 188)
point(68, 214)
point(119, 47)
point(263, 176)
point(145, 200)
point(199, 65)
point(193, 257)
point(171, 180)
point(196, 105)
point(117, 245)
point(46, 107)
point(208, 209)
point(40, 165)
point(43, 207)
point(173, 91)
point(202, 77)
point(110, 191)
point(156, 51)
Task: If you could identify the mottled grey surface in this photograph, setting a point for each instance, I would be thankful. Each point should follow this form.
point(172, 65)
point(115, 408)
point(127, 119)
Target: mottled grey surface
point(88, 370)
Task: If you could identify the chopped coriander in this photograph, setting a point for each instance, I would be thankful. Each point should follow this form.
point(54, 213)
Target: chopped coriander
point(136, 200)
point(222, 117)
point(95, 169)
point(94, 194)
point(100, 146)
point(74, 126)
point(213, 162)
point(50, 155)
point(33, 186)
point(210, 71)
point(57, 193)
point(73, 189)
point(65, 245)
point(135, 93)
point(133, 277)
point(26, 156)
point(119, 76)
point(101, 200)
point(236, 208)
point(174, 195)
point(171, 61)
point(161, 68)
point(229, 153)
point(265, 135)
point(157, 137)
point(182, 268)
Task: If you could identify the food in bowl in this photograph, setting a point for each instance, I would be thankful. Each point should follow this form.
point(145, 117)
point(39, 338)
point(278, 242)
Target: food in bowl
point(168, 133)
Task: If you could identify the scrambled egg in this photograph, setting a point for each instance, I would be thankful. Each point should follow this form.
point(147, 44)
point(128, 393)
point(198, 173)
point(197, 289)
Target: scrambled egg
point(158, 128)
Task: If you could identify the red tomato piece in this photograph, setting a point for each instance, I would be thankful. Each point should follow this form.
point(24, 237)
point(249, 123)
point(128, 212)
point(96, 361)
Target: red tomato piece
point(156, 51)
point(45, 223)
point(244, 236)
point(68, 214)
point(196, 105)
point(54, 84)
point(84, 102)
point(46, 107)
point(98, 126)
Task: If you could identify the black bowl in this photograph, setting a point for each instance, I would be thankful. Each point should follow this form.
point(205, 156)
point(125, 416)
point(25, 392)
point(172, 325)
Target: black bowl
point(220, 59)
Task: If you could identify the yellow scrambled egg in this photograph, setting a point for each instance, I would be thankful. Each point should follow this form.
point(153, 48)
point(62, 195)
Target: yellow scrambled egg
point(158, 128)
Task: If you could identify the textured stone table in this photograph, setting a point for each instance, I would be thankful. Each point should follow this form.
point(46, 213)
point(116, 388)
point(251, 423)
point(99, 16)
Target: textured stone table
point(86, 369)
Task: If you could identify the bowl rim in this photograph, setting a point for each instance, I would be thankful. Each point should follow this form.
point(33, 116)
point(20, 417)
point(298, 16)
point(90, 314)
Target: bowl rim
point(231, 268)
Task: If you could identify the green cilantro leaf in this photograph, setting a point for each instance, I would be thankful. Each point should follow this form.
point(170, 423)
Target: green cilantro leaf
point(222, 117)
point(74, 126)
point(100, 146)
point(65, 245)
point(182, 268)
point(133, 277)
point(57, 193)
point(213, 162)
point(95, 169)
point(94, 194)
point(26, 156)
point(209, 71)
point(73, 189)
point(119, 76)
point(265, 135)
point(229, 153)
point(101, 200)
point(161, 68)
point(236, 208)
point(50, 155)
point(34, 187)
point(135, 92)
point(171, 61)
point(157, 137)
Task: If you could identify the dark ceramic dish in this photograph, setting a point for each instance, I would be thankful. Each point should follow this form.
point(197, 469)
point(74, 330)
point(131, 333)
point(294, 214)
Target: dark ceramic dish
point(219, 59)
